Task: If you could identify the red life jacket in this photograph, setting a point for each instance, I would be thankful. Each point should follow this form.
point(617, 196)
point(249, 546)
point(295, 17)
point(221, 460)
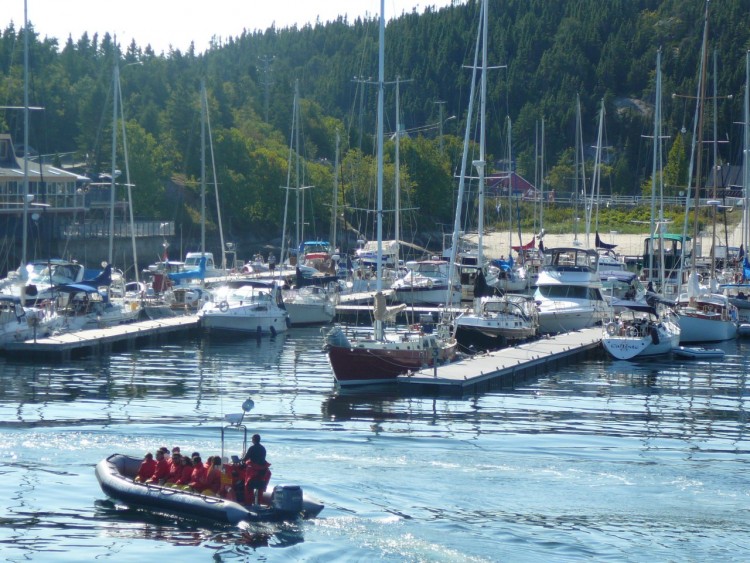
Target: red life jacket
point(198, 477)
point(162, 470)
point(257, 472)
point(146, 470)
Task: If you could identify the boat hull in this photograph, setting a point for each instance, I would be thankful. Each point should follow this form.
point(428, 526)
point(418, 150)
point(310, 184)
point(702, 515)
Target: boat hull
point(114, 476)
point(560, 317)
point(425, 295)
point(627, 348)
point(371, 365)
point(706, 329)
point(238, 320)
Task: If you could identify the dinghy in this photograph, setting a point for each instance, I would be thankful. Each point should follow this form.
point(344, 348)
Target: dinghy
point(695, 352)
point(117, 472)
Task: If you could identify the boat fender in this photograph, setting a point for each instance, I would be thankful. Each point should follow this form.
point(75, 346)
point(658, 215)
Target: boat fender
point(224, 306)
point(612, 329)
point(288, 322)
point(654, 335)
point(273, 331)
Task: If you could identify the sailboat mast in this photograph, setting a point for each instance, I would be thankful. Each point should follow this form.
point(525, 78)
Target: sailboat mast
point(656, 223)
point(115, 82)
point(300, 219)
point(481, 163)
point(284, 249)
point(25, 135)
point(541, 182)
point(216, 182)
point(397, 187)
point(464, 161)
point(381, 86)
point(746, 159)
point(715, 171)
point(335, 208)
point(203, 172)
point(652, 221)
point(580, 165)
point(699, 134)
point(129, 186)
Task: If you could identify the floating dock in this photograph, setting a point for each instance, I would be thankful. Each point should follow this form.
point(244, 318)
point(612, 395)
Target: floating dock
point(101, 341)
point(503, 368)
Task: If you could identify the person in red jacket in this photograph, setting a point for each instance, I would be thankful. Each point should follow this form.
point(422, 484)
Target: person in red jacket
point(257, 476)
point(146, 470)
point(175, 469)
point(186, 472)
point(198, 476)
point(161, 473)
point(213, 476)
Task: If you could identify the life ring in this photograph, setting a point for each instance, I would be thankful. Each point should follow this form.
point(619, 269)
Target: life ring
point(612, 329)
point(632, 331)
point(224, 306)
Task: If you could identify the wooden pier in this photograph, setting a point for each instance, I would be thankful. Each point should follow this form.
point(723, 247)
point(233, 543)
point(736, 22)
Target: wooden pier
point(104, 340)
point(503, 368)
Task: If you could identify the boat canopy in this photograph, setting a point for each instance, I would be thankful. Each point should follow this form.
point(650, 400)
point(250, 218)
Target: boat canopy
point(637, 306)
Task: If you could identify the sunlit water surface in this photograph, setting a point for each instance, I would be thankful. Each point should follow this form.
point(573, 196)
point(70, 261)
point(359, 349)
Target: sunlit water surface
point(602, 460)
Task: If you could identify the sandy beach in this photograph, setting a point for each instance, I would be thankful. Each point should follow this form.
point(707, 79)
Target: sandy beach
point(627, 244)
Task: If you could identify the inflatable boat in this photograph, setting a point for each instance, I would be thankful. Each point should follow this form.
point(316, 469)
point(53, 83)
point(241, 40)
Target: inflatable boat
point(695, 352)
point(115, 475)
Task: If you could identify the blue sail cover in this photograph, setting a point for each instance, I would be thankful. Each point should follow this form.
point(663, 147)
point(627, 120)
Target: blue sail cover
point(746, 269)
point(199, 273)
point(104, 278)
point(504, 265)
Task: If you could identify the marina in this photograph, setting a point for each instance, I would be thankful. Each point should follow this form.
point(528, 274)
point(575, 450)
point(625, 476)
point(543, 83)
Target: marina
point(513, 393)
point(594, 459)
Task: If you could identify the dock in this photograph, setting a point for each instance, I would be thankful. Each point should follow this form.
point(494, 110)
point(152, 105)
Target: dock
point(104, 340)
point(503, 368)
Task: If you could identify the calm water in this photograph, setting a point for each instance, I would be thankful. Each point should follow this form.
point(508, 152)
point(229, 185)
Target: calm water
point(605, 461)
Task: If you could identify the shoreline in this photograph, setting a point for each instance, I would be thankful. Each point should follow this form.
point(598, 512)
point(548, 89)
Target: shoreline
point(496, 244)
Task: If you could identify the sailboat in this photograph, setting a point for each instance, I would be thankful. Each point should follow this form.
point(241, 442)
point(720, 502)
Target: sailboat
point(739, 292)
point(309, 303)
point(645, 328)
point(507, 317)
point(378, 357)
point(704, 315)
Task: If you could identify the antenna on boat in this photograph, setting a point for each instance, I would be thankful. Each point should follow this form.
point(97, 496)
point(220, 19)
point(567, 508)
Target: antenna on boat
point(235, 420)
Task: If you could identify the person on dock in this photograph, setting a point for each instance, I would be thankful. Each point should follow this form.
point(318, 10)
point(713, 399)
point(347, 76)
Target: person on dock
point(271, 262)
point(147, 468)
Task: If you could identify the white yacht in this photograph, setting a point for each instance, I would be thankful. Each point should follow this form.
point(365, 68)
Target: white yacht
point(568, 292)
point(426, 282)
point(254, 307)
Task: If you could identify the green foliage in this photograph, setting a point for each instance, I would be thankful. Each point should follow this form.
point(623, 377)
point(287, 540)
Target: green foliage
point(552, 50)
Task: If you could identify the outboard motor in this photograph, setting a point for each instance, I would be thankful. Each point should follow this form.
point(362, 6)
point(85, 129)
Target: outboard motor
point(287, 498)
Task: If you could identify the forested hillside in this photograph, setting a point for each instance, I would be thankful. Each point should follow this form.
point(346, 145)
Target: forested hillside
point(549, 50)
